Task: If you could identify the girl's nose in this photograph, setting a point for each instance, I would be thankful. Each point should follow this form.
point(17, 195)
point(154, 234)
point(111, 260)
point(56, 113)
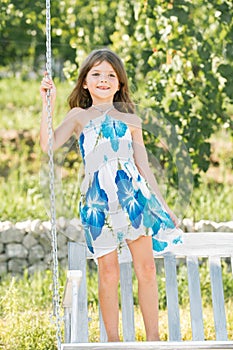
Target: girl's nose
point(103, 77)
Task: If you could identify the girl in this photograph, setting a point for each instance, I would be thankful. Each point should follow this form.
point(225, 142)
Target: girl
point(121, 207)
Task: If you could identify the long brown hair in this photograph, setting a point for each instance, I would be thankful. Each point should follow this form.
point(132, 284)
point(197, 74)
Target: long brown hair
point(81, 97)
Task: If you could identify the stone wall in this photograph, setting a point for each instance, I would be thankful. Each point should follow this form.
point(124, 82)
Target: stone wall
point(27, 244)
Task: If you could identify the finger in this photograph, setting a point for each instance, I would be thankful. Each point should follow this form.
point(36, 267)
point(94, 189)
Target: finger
point(46, 83)
point(47, 77)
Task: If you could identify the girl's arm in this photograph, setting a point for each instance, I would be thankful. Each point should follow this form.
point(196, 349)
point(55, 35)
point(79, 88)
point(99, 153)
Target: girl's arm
point(142, 163)
point(67, 127)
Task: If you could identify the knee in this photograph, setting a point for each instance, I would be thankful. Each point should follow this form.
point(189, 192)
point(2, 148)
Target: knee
point(110, 275)
point(146, 272)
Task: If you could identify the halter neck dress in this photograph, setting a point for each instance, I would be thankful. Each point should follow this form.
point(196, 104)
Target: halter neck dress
point(116, 202)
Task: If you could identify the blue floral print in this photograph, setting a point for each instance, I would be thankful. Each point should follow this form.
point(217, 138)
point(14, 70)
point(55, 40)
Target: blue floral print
point(138, 206)
point(93, 212)
point(154, 216)
point(130, 199)
point(159, 246)
point(81, 142)
point(88, 238)
point(113, 129)
point(120, 236)
point(177, 240)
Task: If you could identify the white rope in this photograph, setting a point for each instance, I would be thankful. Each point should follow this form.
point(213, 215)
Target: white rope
point(56, 299)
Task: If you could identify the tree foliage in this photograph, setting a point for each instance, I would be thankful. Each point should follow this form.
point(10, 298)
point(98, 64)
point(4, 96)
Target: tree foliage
point(183, 50)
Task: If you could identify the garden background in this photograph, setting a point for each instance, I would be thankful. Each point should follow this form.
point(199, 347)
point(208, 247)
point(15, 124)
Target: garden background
point(178, 56)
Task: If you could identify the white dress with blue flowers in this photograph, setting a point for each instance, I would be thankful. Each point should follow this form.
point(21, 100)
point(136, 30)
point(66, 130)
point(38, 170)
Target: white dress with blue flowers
point(116, 202)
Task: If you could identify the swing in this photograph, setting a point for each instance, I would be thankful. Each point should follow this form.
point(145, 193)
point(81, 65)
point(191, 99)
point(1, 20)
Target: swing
point(209, 245)
point(212, 245)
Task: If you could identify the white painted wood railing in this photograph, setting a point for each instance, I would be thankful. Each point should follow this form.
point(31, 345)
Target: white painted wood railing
point(211, 245)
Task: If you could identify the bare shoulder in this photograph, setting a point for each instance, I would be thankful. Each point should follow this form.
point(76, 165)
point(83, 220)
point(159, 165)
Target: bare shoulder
point(75, 116)
point(75, 112)
point(133, 121)
point(136, 120)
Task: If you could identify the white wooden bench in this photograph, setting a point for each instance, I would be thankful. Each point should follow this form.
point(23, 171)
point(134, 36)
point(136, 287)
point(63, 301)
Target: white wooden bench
point(210, 245)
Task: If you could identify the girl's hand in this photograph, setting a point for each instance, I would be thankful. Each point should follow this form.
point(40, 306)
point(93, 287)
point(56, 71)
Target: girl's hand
point(47, 84)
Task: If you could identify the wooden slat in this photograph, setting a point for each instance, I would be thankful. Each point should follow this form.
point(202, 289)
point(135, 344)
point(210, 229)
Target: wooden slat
point(74, 337)
point(205, 244)
point(67, 324)
point(77, 261)
point(127, 305)
point(185, 345)
point(172, 298)
point(195, 298)
point(218, 298)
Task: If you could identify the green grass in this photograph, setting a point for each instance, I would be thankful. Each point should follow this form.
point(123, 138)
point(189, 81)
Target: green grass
point(211, 201)
point(20, 103)
point(25, 313)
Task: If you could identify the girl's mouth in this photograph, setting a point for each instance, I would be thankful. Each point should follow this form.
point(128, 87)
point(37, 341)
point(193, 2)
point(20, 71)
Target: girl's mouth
point(103, 87)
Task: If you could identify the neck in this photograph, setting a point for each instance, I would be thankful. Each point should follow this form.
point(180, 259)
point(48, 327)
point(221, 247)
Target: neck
point(103, 107)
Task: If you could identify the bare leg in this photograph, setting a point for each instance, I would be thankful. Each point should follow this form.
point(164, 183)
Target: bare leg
point(144, 265)
point(109, 274)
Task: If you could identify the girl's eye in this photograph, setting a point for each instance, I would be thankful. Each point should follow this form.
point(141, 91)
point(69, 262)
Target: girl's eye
point(110, 76)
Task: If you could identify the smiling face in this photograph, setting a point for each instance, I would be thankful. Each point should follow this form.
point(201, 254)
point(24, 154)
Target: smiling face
point(102, 83)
